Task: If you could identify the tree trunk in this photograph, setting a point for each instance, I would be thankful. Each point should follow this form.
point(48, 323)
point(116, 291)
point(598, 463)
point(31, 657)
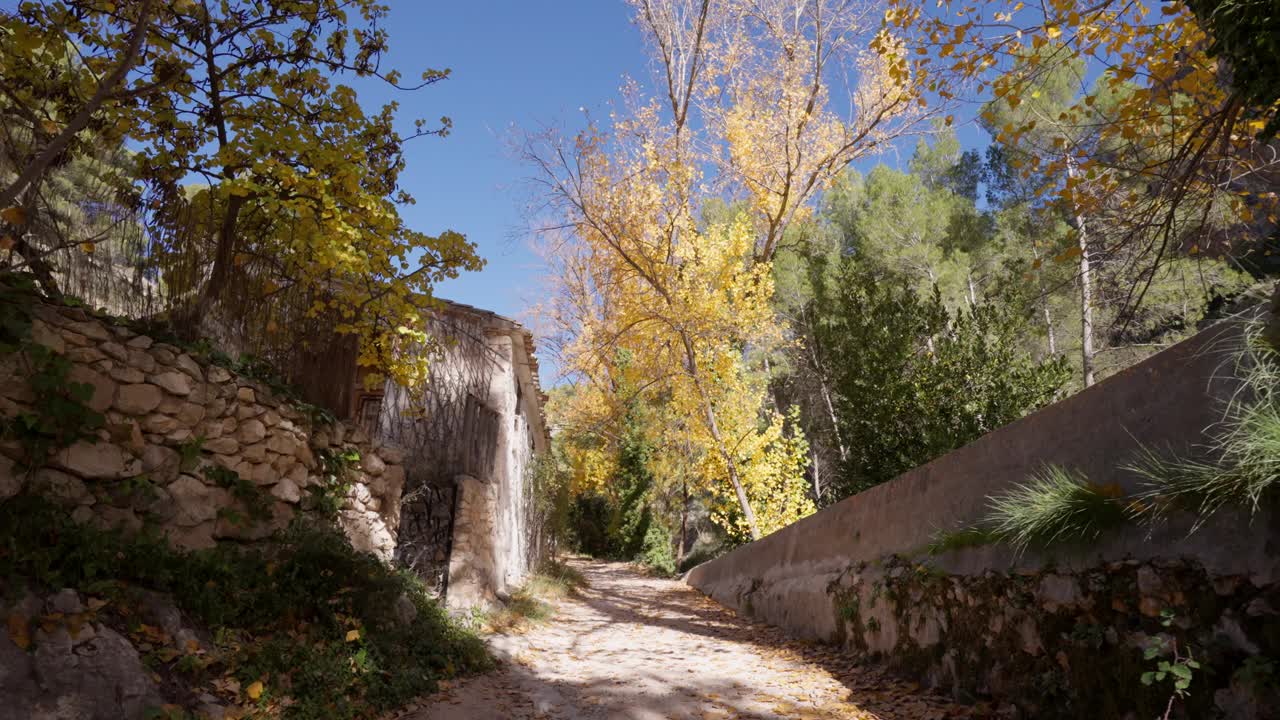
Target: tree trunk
point(684, 523)
point(732, 466)
point(821, 371)
point(36, 263)
point(772, 386)
point(933, 280)
point(817, 477)
point(713, 426)
point(1048, 323)
point(1044, 304)
point(1086, 293)
point(223, 258)
point(224, 254)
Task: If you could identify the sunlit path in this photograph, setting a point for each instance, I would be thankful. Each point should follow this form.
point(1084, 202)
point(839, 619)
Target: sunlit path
point(639, 648)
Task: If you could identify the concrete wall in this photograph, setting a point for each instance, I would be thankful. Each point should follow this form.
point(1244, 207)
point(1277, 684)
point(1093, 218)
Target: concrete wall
point(803, 577)
point(175, 427)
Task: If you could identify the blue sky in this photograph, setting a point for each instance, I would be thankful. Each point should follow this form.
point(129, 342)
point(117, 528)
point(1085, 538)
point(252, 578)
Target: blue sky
point(516, 65)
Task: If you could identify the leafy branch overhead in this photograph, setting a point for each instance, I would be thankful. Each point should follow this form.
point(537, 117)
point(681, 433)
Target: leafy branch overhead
point(263, 179)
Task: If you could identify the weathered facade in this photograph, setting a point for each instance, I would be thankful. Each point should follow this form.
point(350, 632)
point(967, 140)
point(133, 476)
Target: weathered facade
point(471, 437)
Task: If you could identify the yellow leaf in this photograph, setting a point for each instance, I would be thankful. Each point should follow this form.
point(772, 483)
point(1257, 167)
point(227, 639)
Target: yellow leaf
point(254, 691)
point(1052, 31)
point(87, 248)
point(6, 242)
point(18, 631)
point(353, 635)
point(14, 216)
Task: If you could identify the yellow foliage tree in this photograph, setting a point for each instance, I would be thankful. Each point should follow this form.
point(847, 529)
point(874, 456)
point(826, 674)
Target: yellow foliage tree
point(636, 276)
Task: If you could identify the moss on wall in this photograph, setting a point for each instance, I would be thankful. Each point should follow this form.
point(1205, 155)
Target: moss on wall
point(1059, 644)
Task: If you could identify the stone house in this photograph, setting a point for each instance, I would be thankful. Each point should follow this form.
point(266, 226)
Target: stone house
point(471, 438)
point(443, 484)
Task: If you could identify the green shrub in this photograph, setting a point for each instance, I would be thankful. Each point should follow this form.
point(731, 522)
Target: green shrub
point(911, 379)
point(621, 525)
point(656, 553)
point(60, 415)
point(288, 608)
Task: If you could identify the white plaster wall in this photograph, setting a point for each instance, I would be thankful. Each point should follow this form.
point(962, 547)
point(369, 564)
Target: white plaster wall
point(513, 457)
point(491, 555)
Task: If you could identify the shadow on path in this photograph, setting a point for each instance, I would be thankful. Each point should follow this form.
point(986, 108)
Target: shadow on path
point(631, 647)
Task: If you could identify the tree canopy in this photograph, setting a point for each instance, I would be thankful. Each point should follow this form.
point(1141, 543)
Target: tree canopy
point(264, 180)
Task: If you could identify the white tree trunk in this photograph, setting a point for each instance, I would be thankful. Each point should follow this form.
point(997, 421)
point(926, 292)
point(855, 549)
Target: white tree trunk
point(1086, 292)
point(1044, 303)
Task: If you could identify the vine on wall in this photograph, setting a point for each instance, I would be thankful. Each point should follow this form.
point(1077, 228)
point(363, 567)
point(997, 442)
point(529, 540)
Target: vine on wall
point(59, 415)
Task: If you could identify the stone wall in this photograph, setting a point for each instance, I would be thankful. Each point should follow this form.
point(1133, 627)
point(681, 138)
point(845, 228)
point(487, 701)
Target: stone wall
point(1057, 634)
point(190, 447)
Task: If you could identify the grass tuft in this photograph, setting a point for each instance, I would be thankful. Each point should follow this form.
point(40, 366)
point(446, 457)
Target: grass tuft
point(946, 541)
point(534, 602)
point(1240, 465)
point(1055, 505)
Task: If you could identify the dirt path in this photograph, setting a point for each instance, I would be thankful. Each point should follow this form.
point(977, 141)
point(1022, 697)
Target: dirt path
point(630, 647)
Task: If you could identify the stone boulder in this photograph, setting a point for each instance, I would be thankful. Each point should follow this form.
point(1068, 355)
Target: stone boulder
point(18, 685)
point(97, 460)
point(97, 675)
point(10, 478)
point(61, 487)
point(196, 502)
point(252, 431)
point(287, 491)
point(373, 465)
point(102, 387)
point(175, 382)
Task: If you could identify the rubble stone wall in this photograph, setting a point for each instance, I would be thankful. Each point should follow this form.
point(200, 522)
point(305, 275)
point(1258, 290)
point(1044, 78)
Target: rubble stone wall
point(190, 447)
